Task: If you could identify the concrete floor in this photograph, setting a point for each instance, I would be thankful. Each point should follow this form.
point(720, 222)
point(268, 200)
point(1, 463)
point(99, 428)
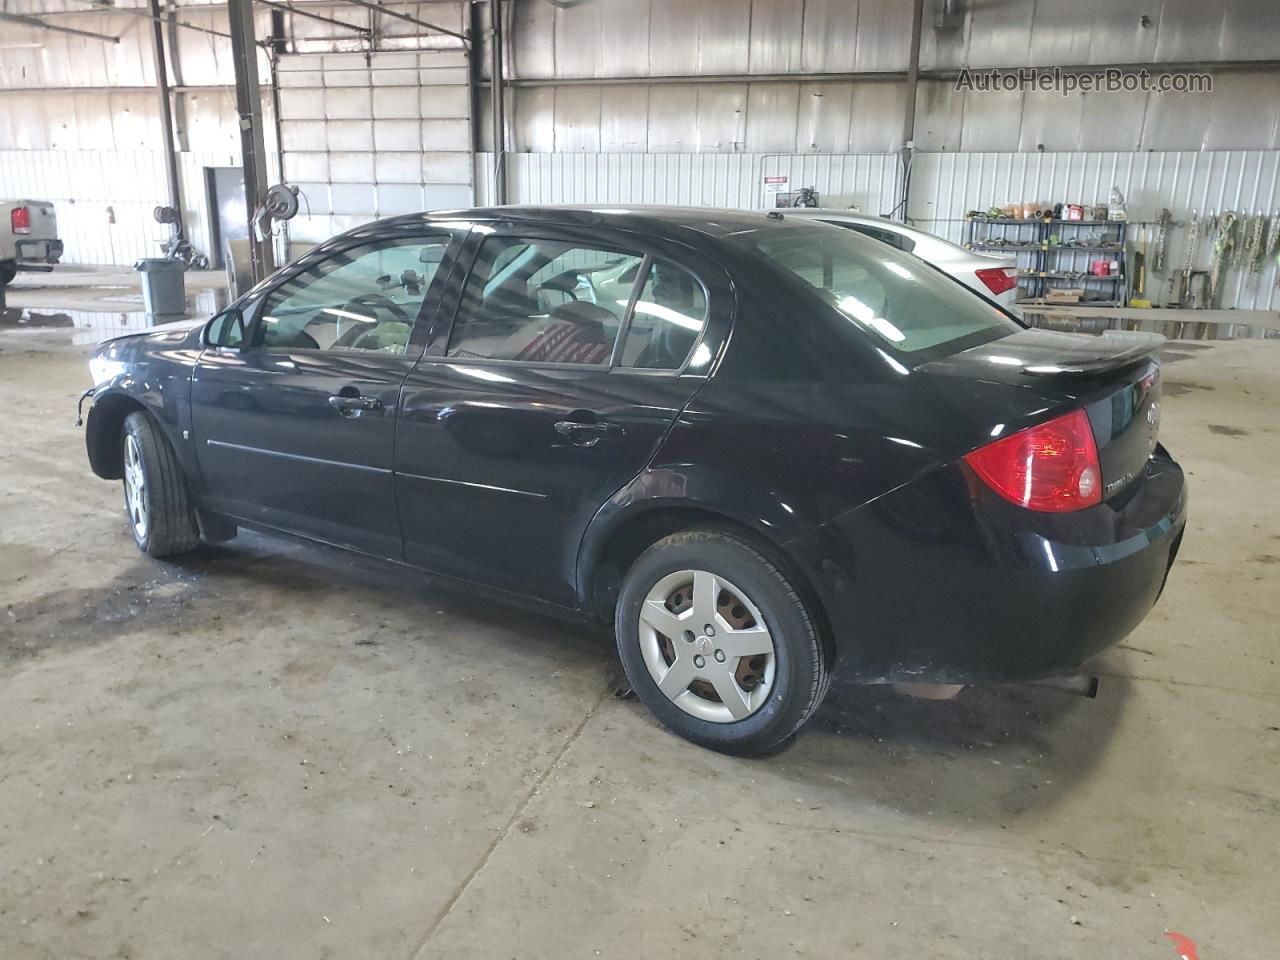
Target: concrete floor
point(269, 751)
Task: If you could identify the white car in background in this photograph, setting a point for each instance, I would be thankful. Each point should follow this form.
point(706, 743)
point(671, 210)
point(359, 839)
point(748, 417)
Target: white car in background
point(28, 234)
point(995, 277)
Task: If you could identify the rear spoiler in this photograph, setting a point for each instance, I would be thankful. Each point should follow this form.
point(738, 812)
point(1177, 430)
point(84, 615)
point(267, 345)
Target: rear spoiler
point(1118, 348)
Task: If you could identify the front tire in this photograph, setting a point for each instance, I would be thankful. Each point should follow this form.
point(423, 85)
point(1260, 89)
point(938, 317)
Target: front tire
point(718, 643)
point(156, 500)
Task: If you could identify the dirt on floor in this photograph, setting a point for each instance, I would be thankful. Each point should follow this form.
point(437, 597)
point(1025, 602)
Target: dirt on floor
point(264, 750)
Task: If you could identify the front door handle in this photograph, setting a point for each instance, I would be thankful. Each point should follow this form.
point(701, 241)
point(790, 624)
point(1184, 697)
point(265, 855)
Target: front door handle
point(588, 434)
point(354, 406)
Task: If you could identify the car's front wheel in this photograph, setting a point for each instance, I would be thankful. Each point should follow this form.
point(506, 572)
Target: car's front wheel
point(718, 643)
point(155, 491)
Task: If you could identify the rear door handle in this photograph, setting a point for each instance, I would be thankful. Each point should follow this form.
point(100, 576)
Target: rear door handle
point(588, 434)
point(354, 406)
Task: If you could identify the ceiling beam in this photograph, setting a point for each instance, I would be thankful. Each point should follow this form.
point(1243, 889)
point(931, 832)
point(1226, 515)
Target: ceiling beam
point(408, 19)
point(291, 8)
point(135, 12)
point(41, 25)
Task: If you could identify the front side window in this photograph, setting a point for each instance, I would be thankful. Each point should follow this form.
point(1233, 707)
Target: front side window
point(363, 298)
point(543, 301)
point(902, 304)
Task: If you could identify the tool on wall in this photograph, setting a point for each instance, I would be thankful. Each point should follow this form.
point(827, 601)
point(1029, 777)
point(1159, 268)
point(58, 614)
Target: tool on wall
point(1160, 248)
point(280, 204)
point(1180, 282)
point(1224, 227)
point(1273, 242)
point(1253, 245)
point(1138, 297)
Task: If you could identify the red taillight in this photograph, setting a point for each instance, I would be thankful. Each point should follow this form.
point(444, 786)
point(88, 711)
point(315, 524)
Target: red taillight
point(998, 279)
point(20, 219)
point(1050, 467)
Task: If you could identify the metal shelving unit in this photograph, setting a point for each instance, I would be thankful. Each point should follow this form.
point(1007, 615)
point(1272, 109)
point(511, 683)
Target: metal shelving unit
point(1047, 251)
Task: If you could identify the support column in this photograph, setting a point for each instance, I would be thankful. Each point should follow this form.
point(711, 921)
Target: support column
point(496, 85)
point(166, 114)
point(244, 56)
point(909, 118)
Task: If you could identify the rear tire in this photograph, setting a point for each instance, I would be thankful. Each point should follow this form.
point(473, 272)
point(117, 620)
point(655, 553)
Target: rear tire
point(748, 684)
point(7, 272)
point(156, 500)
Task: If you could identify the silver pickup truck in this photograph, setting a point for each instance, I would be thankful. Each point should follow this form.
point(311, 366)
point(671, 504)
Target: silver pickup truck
point(28, 235)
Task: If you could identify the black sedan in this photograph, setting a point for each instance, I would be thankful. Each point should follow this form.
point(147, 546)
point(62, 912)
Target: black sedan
point(755, 443)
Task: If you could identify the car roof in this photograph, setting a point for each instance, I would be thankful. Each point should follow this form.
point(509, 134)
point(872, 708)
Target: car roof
point(658, 220)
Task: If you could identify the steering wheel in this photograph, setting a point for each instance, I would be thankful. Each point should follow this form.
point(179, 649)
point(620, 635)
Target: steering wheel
point(378, 301)
point(375, 301)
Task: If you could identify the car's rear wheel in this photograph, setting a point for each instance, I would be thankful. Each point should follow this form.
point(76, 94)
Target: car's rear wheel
point(7, 272)
point(718, 643)
point(155, 491)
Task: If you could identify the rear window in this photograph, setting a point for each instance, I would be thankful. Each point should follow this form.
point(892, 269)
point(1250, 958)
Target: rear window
point(906, 306)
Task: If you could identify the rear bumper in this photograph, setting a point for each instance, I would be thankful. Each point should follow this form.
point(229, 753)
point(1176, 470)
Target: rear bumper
point(942, 582)
point(38, 250)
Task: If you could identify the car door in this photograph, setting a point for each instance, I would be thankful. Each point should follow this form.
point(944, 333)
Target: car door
point(293, 413)
point(547, 393)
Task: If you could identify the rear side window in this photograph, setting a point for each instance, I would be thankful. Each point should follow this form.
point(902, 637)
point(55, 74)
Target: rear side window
point(669, 315)
point(543, 301)
point(904, 305)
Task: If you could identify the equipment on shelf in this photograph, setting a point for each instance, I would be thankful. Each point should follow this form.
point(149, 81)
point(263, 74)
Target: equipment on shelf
point(1116, 208)
point(1053, 251)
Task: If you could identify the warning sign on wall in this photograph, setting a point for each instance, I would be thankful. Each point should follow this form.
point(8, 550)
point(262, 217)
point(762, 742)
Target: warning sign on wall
point(775, 185)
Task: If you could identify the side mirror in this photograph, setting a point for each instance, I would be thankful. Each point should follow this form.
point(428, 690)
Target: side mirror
point(226, 331)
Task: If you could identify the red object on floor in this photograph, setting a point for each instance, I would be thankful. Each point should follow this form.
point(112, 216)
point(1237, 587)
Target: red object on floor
point(1185, 946)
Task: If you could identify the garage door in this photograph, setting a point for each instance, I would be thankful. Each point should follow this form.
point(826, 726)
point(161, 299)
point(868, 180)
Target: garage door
point(367, 137)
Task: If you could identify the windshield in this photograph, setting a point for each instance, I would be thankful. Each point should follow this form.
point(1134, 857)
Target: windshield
point(905, 305)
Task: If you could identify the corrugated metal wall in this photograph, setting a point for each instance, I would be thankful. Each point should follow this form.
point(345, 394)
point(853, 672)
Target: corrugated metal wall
point(579, 65)
point(865, 181)
point(105, 198)
point(946, 186)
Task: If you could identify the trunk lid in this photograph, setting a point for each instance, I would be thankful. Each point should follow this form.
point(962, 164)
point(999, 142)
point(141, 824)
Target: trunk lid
point(1114, 376)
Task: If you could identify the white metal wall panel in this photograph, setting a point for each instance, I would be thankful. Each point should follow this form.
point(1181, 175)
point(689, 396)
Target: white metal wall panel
point(373, 138)
point(865, 181)
point(104, 199)
point(944, 186)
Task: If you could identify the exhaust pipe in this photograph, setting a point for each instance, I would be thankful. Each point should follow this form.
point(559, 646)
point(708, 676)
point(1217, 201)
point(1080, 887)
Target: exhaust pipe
point(1081, 684)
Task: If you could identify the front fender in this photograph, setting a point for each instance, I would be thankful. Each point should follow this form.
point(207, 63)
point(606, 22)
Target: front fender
point(130, 378)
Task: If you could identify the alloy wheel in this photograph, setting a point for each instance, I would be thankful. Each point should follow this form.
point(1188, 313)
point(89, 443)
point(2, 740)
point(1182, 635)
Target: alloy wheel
point(135, 486)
